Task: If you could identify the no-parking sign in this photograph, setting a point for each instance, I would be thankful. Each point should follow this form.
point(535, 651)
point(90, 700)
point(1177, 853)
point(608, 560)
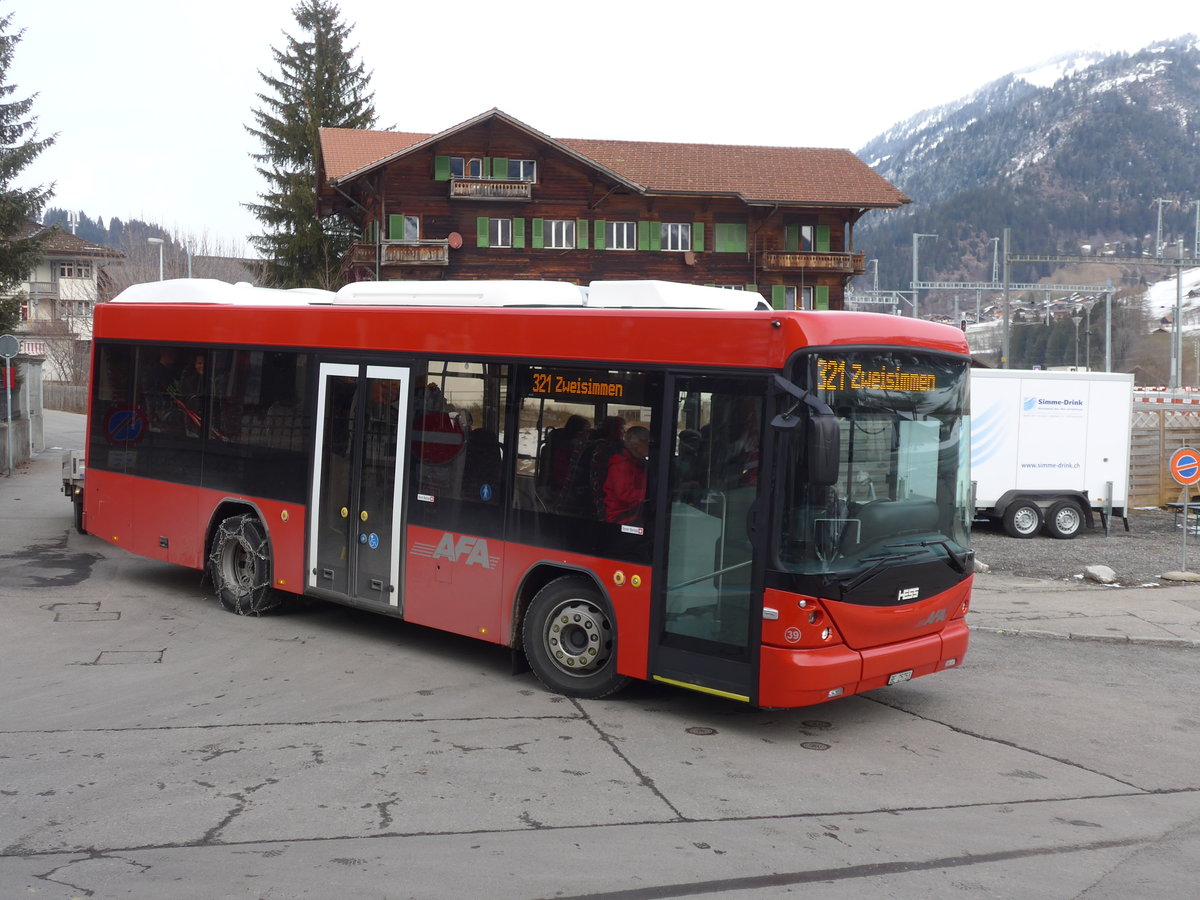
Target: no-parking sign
point(1185, 466)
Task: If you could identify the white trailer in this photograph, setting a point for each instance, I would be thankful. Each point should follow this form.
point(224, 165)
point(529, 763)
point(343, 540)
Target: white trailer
point(1049, 449)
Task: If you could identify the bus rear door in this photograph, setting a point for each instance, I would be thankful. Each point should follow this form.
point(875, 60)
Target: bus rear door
point(355, 518)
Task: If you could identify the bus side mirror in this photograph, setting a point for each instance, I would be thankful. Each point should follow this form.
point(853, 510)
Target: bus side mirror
point(823, 449)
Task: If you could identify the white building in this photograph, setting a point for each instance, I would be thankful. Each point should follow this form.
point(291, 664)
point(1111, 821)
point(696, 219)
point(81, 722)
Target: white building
point(58, 298)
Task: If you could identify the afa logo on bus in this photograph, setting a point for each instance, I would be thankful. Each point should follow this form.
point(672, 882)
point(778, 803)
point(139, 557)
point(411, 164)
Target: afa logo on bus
point(460, 548)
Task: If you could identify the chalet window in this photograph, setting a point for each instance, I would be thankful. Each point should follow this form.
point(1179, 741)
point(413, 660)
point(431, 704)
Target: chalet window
point(500, 232)
point(783, 296)
point(560, 234)
point(620, 235)
point(730, 237)
point(522, 170)
point(447, 167)
point(75, 268)
point(495, 168)
point(404, 228)
point(806, 238)
point(676, 236)
point(786, 296)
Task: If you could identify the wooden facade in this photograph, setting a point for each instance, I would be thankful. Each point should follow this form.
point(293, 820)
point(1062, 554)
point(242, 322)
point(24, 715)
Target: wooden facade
point(494, 198)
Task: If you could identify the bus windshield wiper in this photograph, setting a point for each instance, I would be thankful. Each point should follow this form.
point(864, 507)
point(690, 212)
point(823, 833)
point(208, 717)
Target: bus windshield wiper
point(957, 561)
point(877, 562)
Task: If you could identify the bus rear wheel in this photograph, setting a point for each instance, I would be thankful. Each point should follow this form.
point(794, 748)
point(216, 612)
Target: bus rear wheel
point(240, 565)
point(570, 640)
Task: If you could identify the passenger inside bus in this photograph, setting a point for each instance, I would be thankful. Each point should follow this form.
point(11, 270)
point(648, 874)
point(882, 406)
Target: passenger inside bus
point(583, 492)
point(625, 478)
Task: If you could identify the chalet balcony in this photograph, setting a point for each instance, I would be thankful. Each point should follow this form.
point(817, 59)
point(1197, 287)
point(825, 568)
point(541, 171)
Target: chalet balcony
point(476, 189)
point(791, 260)
point(402, 253)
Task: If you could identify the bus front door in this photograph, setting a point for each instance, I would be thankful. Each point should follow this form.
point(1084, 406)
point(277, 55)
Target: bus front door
point(708, 607)
point(355, 509)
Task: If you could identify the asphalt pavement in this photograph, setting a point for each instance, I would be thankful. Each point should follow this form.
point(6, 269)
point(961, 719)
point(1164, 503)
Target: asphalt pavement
point(1166, 615)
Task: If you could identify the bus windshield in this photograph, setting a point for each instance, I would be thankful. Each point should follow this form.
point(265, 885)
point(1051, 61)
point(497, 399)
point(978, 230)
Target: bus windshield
point(903, 488)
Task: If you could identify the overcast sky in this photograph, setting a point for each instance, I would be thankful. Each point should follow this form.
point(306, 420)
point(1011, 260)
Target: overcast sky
point(149, 100)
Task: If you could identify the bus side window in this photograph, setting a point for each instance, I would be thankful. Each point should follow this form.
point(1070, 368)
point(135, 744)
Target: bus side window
point(458, 431)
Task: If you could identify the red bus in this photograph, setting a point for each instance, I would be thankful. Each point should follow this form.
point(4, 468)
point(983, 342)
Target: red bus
point(636, 480)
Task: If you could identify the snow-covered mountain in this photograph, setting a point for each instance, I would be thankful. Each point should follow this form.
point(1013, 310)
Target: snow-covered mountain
point(1069, 155)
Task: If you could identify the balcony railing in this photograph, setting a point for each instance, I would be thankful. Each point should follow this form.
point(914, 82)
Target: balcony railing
point(471, 189)
point(402, 253)
point(786, 260)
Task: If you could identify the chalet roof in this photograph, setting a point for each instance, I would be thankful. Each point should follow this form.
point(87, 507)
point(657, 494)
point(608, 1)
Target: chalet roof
point(759, 175)
point(61, 243)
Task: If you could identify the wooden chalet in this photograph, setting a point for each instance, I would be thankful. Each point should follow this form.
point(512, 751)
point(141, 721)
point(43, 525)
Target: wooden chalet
point(495, 198)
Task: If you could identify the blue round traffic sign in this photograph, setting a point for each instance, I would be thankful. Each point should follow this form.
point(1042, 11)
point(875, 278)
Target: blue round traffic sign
point(124, 425)
point(1185, 466)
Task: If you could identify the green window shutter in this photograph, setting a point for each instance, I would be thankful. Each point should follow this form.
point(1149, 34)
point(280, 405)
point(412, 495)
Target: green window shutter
point(500, 168)
point(518, 233)
point(821, 239)
point(481, 231)
point(581, 234)
point(656, 235)
point(643, 238)
point(720, 232)
point(779, 296)
point(821, 296)
point(698, 237)
point(731, 238)
point(441, 168)
point(791, 238)
point(598, 231)
point(539, 239)
point(752, 288)
point(396, 227)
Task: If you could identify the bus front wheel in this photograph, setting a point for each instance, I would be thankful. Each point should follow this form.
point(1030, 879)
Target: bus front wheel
point(570, 640)
point(240, 566)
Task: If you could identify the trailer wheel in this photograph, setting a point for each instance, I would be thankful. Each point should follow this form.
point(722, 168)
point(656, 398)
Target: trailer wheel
point(1022, 519)
point(1064, 519)
point(240, 565)
point(570, 640)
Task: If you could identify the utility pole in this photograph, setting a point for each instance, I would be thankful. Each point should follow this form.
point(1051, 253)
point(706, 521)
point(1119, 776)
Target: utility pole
point(916, 256)
point(1004, 320)
point(1196, 233)
point(1158, 234)
point(1177, 337)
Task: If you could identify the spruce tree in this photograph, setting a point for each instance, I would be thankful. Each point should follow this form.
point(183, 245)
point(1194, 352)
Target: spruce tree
point(19, 146)
point(319, 84)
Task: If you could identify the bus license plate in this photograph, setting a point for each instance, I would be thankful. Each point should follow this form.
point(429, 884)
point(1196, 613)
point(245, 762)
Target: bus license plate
point(900, 677)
